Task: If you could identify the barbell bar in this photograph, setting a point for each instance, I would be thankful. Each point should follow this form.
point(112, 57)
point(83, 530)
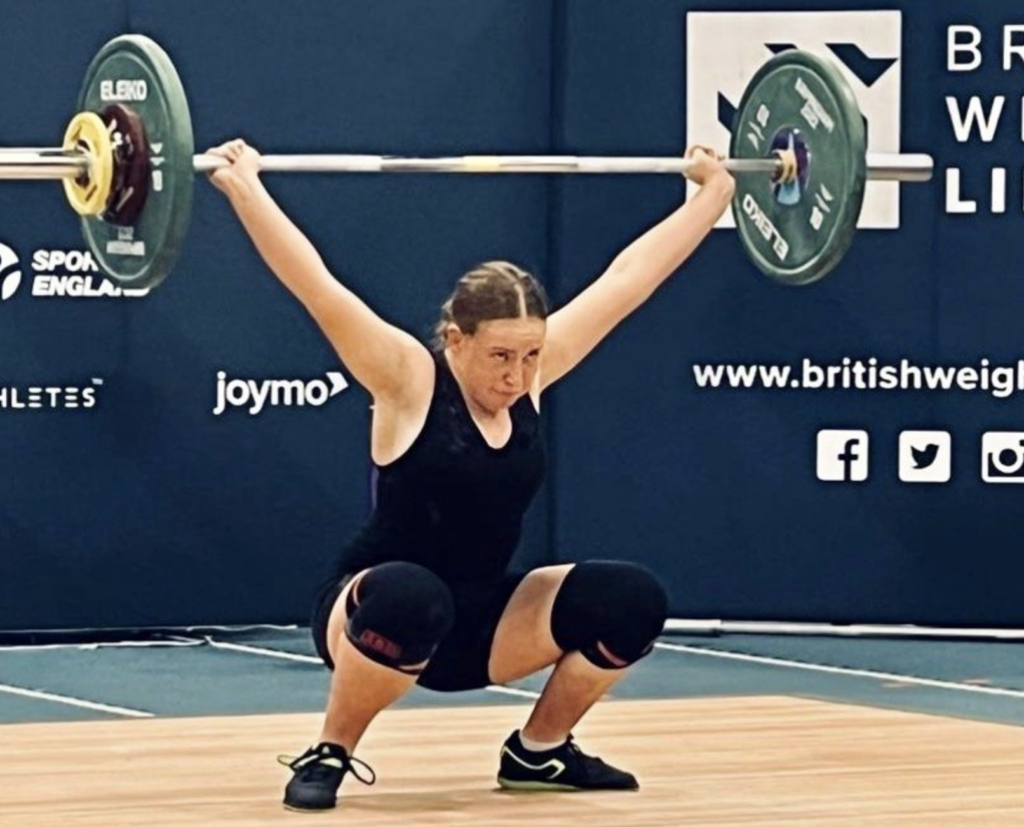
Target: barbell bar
point(56, 163)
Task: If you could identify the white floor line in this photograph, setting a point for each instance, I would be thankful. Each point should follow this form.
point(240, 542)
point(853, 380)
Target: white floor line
point(91, 647)
point(511, 690)
point(260, 650)
point(842, 670)
point(775, 627)
point(64, 699)
point(275, 653)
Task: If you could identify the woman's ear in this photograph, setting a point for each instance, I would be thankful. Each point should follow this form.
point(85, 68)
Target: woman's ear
point(453, 336)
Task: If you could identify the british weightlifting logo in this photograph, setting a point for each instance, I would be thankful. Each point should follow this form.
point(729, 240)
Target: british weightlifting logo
point(864, 46)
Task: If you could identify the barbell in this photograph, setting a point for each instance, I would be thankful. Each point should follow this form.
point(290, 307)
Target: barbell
point(127, 162)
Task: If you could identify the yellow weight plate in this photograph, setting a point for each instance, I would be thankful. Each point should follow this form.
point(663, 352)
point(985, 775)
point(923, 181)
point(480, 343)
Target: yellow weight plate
point(88, 194)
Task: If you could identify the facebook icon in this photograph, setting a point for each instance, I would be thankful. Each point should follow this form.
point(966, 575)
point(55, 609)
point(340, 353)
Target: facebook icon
point(842, 456)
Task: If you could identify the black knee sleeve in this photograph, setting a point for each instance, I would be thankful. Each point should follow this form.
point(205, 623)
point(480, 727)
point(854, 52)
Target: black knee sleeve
point(397, 615)
point(620, 606)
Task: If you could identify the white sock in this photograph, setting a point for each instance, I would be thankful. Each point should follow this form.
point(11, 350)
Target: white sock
point(539, 746)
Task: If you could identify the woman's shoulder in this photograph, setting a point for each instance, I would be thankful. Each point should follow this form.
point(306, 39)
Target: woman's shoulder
point(421, 367)
point(398, 422)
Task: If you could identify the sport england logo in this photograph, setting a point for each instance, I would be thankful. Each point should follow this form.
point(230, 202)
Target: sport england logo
point(864, 45)
point(74, 274)
point(842, 456)
point(61, 274)
point(10, 278)
point(255, 395)
point(925, 456)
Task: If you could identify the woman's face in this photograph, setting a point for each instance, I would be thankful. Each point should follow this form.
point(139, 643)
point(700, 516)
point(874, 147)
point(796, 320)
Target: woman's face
point(498, 363)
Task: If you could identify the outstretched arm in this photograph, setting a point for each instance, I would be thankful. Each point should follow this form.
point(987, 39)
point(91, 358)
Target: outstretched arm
point(636, 272)
point(381, 357)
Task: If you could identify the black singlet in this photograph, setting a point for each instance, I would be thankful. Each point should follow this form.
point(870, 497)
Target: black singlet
point(451, 502)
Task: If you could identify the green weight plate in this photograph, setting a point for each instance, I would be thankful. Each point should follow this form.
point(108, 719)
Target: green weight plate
point(797, 233)
point(134, 71)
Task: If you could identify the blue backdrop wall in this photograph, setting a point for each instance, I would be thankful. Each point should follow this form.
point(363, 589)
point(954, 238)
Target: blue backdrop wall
point(150, 508)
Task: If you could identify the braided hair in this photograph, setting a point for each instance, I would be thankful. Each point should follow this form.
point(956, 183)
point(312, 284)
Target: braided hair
point(491, 290)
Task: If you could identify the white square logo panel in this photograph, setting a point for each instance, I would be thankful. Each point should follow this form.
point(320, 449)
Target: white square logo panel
point(842, 456)
point(926, 456)
point(725, 49)
point(1002, 457)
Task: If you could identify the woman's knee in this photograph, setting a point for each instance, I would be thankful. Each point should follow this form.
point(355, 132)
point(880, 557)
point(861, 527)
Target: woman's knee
point(398, 613)
point(610, 611)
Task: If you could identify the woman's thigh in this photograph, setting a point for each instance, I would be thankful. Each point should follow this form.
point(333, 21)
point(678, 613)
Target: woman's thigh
point(339, 615)
point(523, 643)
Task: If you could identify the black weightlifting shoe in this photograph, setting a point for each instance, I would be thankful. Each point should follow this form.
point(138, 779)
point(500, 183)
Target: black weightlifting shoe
point(318, 774)
point(565, 768)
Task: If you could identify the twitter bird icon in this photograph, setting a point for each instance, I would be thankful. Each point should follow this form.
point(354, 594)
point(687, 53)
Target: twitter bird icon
point(925, 456)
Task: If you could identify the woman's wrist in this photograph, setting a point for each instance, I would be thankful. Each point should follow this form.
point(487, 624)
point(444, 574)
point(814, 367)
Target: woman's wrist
point(242, 189)
point(722, 182)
